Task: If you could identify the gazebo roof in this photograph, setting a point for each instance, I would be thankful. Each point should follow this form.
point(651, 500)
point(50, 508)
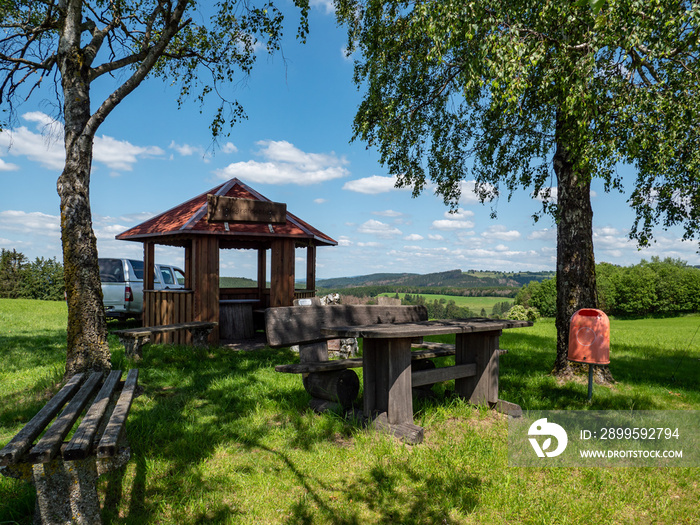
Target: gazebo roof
point(190, 219)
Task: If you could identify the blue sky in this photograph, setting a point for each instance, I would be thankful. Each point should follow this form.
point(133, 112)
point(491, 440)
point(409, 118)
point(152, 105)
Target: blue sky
point(294, 148)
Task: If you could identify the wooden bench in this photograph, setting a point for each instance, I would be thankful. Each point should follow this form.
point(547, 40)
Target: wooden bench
point(65, 474)
point(133, 339)
point(331, 383)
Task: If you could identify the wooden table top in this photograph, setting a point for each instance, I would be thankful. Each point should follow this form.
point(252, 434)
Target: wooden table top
point(422, 328)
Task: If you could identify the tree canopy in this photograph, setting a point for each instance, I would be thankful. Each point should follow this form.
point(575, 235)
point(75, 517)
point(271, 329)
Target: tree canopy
point(544, 96)
point(462, 89)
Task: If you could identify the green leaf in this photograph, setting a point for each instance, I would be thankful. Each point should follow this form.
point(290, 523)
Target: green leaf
point(596, 5)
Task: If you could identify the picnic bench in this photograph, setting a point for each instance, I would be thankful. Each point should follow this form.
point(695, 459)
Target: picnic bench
point(65, 474)
point(396, 363)
point(133, 339)
point(330, 383)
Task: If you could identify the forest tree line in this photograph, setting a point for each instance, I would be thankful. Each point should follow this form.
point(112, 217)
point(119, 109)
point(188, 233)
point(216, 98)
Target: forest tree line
point(651, 288)
point(21, 278)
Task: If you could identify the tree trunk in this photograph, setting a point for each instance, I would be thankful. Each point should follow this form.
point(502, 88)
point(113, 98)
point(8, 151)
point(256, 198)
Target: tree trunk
point(87, 347)
point(576, 279)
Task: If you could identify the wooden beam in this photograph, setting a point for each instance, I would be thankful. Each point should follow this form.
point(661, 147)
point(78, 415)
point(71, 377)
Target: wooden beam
point(229, 209)
point(188, 266)
point(148, 265)
point(262, 272)
point(206, 282)
point(282, 273)
point(311, 267)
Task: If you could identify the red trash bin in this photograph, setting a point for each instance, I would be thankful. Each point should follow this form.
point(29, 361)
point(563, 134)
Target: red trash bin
point(589, 337)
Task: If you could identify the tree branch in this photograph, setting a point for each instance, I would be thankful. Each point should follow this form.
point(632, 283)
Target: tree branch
point(152, 54)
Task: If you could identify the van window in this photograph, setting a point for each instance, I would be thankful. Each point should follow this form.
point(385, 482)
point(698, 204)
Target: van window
point(179, 275)
point(111, 270)
point(137, 266)
point(167, 276)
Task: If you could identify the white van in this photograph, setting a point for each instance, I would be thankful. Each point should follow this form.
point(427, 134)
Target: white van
point(122, 285)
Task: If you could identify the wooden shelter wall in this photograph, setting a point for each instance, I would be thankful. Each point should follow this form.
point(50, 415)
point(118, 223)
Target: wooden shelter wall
point(206, 281)
point(163, 307)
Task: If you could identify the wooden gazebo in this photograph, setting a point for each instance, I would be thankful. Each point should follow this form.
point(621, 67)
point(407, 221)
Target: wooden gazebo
point(229, 216)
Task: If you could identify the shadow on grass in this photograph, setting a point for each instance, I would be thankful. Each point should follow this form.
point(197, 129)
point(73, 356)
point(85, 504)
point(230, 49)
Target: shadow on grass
point(525, 377)
point(196, 400)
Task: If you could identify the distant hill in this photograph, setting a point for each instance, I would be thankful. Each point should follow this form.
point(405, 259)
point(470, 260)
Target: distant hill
point(237, 282)
point(449, 279)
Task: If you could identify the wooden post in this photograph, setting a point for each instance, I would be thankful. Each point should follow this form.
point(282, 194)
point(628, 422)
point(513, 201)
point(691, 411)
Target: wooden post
point(311, 267)
point(479, 349)
point(206, 282)
point(262, 274)
point(188, 268)
point(282, 273)
point(148, 265)
point(387, 379)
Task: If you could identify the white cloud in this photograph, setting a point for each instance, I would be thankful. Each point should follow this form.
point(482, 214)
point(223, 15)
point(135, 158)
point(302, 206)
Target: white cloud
point(372, 185)
point(436, 237)
point(467, 195)
point(121, 154)
point(501, 233)
point(546, 235)
point(287, 164)
point(413, 237)
point(546, 195)
point(449, 224)
point(374, 227)
point(229, 147)
point(454, 221)
point(8, 166)
point(320, 200)
point(344, 241)
point(325, 5)
point(372, 244)
point(388, 213)
point(34, 223)
point(46, 147)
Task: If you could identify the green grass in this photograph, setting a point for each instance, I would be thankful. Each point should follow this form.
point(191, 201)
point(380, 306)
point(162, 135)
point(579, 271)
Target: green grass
point(475, 304)
point(218, 437)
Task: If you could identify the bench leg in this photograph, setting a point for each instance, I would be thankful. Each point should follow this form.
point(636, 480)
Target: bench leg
point(133, 345)
point(66, 491)
point(200, 336)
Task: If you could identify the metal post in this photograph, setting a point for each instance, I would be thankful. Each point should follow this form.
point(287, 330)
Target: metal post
point(590, 381)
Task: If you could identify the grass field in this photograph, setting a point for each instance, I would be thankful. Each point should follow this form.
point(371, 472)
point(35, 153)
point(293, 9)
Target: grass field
point(475, 304)
point(218, 437)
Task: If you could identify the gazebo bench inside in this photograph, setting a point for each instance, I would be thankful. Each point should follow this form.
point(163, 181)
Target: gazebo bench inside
point(133, 339)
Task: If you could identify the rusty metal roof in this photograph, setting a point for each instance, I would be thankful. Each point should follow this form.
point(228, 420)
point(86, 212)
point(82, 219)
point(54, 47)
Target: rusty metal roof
point(190, 219)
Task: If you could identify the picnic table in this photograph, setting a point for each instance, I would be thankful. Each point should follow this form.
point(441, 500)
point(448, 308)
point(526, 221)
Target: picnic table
point(386, 367)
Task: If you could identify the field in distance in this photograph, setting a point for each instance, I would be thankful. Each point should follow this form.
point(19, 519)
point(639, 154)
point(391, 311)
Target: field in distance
point(475, 304)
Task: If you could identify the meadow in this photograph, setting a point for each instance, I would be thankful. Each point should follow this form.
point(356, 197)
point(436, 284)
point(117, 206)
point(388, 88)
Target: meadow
point(475, 304)
point(217, 436)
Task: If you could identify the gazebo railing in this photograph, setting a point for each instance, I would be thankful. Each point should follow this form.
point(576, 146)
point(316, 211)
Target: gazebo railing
point(161, 307)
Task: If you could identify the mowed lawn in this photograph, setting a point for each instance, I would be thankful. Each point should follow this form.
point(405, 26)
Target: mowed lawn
point(218, 436)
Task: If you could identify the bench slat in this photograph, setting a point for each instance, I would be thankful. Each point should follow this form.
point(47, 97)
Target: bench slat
point(436, 375)
point(51, 442)
point(108, 444)
point(11, 453)
point(81, 444)
point(290, 325)
point(340, 364)
point(147, 330)
point(320, 366)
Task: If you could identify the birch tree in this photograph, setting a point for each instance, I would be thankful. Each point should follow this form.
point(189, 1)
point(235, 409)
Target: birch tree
point(539, 95)
point(78, 44)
